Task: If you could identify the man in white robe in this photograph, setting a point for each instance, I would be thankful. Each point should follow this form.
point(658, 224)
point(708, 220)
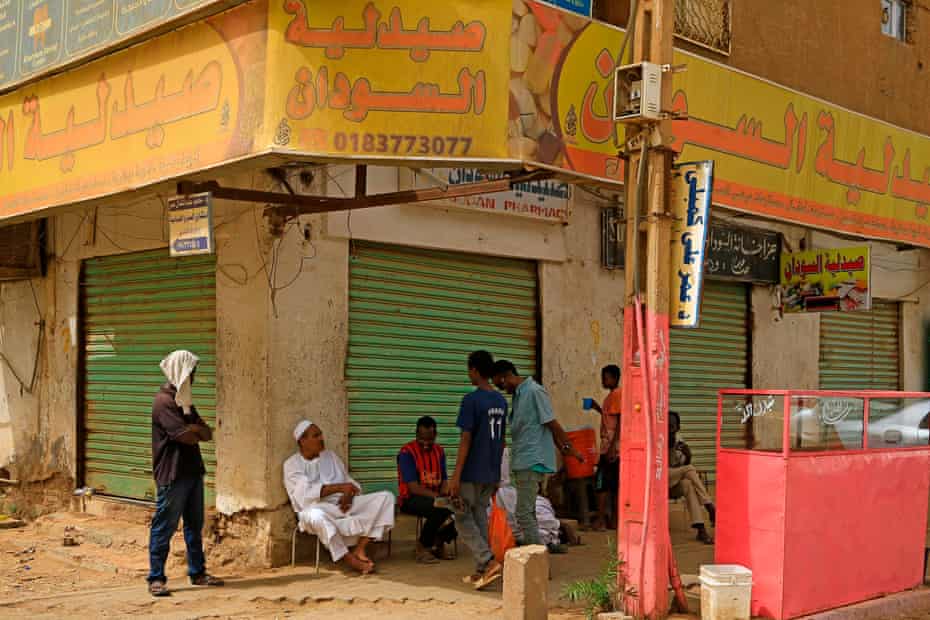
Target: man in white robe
point(330, 504)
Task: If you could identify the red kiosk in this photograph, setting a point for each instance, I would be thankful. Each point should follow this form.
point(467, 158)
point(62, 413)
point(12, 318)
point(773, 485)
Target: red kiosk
point(823, 495)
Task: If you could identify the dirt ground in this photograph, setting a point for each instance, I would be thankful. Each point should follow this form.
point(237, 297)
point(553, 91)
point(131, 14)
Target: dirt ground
point(102, 576)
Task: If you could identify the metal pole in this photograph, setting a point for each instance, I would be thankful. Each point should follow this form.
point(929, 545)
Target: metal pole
point(643, 503)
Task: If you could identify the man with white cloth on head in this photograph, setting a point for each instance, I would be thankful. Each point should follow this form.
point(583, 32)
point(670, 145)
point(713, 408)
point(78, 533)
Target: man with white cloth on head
point(330, 504)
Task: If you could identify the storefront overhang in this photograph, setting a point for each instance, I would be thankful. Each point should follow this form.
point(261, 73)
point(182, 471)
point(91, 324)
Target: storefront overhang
point(485, 84)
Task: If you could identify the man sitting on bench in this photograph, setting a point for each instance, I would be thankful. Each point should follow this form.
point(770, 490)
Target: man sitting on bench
point(423, 483)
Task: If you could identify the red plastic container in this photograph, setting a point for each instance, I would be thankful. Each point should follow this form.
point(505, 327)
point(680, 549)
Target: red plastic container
point(585, 441)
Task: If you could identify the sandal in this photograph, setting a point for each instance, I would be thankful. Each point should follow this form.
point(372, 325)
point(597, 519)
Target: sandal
point(491, 574)
point(704, 537)
point(206, 580)
point(426, 557)
point(159, 588)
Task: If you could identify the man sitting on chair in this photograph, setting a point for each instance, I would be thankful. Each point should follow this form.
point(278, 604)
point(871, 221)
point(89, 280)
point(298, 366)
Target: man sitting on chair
point(330, 504)
point(422, 480)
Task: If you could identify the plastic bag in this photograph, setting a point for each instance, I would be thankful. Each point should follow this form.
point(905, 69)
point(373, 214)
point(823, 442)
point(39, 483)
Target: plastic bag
point(500, 536)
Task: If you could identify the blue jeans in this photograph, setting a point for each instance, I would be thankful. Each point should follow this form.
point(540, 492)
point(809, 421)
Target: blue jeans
point(473, 521)
point(181, 498)
point(527, 485)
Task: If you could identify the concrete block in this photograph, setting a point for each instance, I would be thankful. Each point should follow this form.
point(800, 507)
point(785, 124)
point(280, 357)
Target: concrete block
point(526, 583)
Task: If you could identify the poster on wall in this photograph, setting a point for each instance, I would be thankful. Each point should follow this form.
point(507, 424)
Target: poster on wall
point(742, 254)
point(546, 199)
point(190, 224)
point(826, 280)
point(691, 198)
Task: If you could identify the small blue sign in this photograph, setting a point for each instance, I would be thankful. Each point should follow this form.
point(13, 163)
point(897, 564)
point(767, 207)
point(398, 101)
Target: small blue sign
point(582, 7)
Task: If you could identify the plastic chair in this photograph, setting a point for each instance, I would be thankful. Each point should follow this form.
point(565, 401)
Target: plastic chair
point(296, 531)
point(294, 549)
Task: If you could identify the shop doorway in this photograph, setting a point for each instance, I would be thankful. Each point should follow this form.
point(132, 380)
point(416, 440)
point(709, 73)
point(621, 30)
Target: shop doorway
point(414, 316)
point(712, 357)
point(135, 309)
point(861, 350)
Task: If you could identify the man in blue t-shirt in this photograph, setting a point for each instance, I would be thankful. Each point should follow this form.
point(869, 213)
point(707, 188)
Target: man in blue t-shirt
point(483, 422)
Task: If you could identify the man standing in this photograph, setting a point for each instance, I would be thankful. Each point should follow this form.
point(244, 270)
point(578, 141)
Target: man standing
point(329, 503)
point(178, 468)
point(421, 474)
point(483, 422)
point(535, 433)
point(684, 481)
point(607, 482)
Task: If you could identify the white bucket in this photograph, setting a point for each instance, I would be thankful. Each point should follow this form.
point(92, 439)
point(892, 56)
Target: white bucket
point(726, 590)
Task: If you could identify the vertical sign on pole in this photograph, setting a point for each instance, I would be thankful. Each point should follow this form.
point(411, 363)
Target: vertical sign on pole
point(691, 198)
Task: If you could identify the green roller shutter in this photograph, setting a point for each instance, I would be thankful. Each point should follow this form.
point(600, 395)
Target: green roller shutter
point(136, 309)
point(712, 357)
point(414, 316)
point(859, 350)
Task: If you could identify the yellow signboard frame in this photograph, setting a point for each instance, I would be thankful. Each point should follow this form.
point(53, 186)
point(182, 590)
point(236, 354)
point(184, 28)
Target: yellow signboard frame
point(491, 84)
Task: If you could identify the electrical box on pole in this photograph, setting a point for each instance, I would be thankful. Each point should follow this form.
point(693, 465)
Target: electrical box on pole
point(638, 93)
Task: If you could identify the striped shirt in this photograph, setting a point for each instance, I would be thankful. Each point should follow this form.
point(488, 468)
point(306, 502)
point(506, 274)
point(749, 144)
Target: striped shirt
point(427, 467)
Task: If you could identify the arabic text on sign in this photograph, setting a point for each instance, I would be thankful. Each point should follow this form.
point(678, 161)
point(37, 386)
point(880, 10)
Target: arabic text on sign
point(374, 34)
point(358, 99)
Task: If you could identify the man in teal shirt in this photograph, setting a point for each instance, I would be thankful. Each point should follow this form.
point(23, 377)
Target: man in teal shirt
point(535, 435)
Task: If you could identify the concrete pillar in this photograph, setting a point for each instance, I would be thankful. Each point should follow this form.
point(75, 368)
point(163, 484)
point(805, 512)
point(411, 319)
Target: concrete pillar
point(526, 583)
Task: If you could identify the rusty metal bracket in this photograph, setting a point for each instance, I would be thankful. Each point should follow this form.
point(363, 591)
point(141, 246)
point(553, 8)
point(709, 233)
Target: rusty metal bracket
point(293, 205)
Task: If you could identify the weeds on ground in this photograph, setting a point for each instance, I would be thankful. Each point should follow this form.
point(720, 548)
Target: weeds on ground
point(601, 594)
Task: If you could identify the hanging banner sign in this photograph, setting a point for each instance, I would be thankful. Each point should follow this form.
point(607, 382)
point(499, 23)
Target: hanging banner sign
point(38, 36)
point(742, 254)
point(190, 224)
point(825, 280)
point(544, 200)
point(691, 198)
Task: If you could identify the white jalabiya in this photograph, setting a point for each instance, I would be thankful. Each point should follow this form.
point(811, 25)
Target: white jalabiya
point(371, 515)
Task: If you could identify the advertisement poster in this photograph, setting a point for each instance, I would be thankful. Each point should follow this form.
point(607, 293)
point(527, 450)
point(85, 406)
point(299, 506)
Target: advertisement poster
point(825, 280)
point(691, 199)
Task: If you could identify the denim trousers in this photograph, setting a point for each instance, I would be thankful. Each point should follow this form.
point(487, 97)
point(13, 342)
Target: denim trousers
point(527, 485)
point(472, 522)
point(181, 498)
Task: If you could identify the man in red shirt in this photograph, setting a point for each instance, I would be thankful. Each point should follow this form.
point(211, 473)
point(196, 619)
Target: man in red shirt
point(607, 482)
point(422, 480)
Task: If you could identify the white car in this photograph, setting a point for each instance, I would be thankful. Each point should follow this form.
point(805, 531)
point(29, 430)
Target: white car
point(889, 427)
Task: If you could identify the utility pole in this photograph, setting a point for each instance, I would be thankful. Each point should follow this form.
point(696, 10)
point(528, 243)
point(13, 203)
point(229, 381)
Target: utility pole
point(642, 537)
